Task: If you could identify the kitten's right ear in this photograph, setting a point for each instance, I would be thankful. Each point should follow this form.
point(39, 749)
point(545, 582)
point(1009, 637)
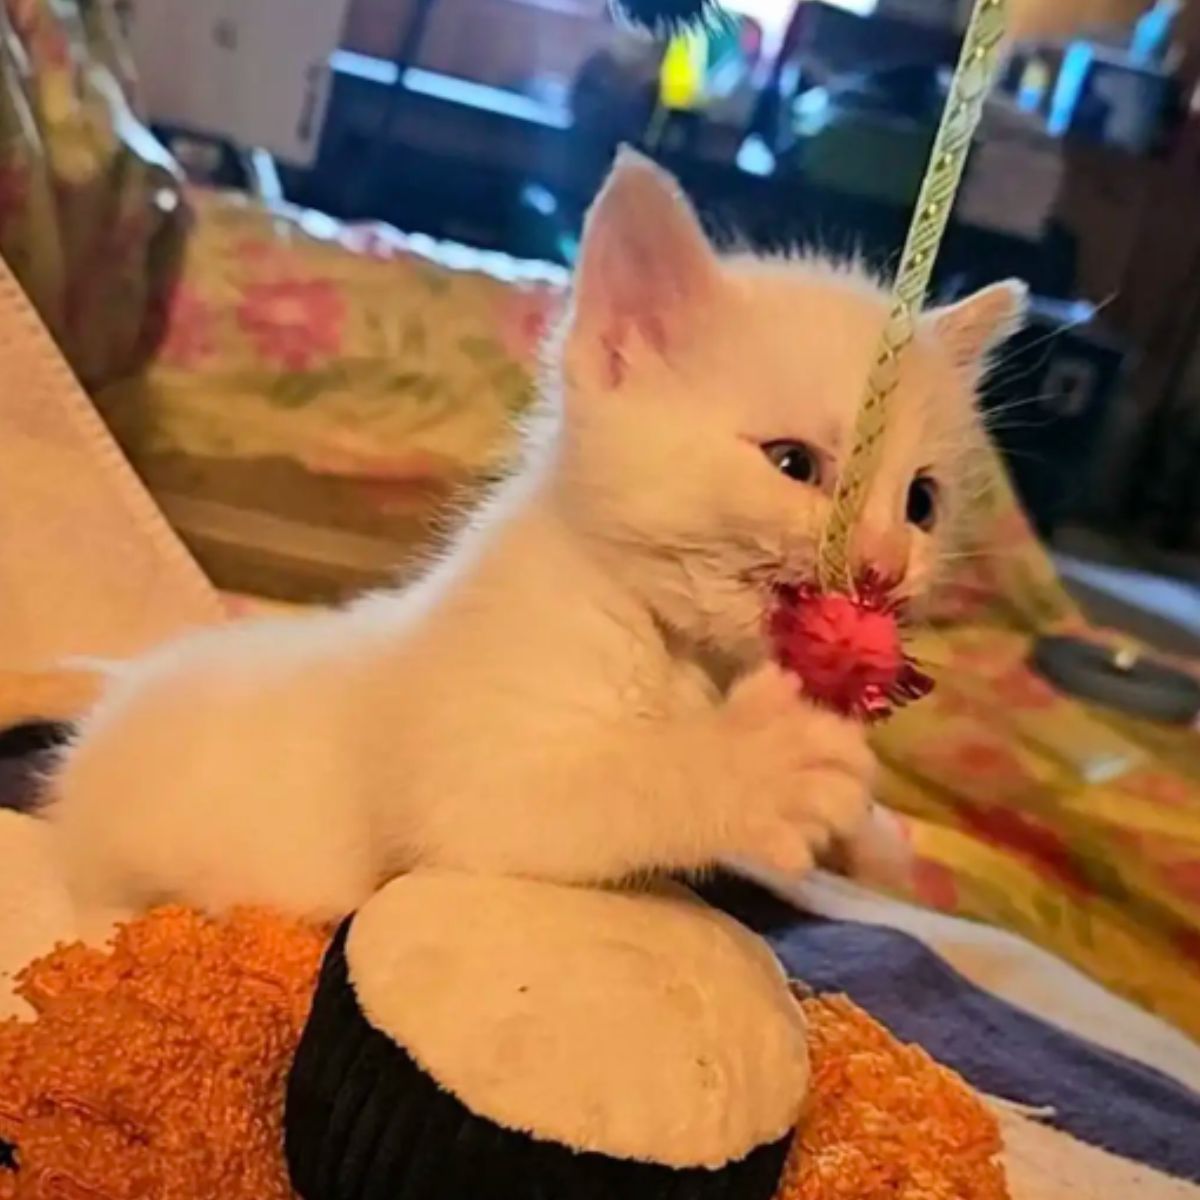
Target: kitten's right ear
point(972, 328)
point(645, 268)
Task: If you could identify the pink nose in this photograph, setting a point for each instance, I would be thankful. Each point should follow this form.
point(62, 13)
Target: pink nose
point(884, 551)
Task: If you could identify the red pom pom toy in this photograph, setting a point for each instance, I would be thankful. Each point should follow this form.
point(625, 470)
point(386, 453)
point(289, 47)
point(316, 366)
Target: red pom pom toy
point(846, 649)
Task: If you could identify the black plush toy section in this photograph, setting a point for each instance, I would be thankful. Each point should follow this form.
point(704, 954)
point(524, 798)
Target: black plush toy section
point(26, 755)
point(364, 1122)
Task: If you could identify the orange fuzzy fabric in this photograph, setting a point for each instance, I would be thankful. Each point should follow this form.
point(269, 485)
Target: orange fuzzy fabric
point(886, 1122)
point(157, 1070)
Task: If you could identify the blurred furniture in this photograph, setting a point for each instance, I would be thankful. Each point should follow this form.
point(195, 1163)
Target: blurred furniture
point(93, 224)
point(460, 170)
point(822, 42)
point(1140, 256)
point(1049, 401)
point(504, 44)
point(251, 74)
point(1109, 98)
point(451, 162)
point(868, 133)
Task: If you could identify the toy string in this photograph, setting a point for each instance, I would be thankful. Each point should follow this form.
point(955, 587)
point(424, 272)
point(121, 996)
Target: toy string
point(964, 107)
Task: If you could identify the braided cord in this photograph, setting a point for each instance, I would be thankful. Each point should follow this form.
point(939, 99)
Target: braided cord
point(968, 92)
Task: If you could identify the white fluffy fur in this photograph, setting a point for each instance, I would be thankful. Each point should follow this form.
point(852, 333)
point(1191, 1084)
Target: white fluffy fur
point(578, 691)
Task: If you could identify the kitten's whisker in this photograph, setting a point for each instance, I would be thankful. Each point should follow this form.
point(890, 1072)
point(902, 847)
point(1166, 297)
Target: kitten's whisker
point(1010, 373)
point(984, 552)
point(1017, 426)
point(1067, 326)
point(1015, 405)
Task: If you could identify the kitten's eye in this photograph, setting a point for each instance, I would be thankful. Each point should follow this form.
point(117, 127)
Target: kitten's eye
point(796, 460)
point(922, 503)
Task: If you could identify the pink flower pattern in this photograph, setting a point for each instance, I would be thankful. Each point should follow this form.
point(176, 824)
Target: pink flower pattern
point(976, 767)
point(294, 324)
point(259, 254)
point(23, 15)
point(524, 320)
point(1184, 878)
point(1020, 687)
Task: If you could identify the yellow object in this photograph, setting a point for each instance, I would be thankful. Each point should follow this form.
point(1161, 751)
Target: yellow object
point(681, 77)
point(968, 91)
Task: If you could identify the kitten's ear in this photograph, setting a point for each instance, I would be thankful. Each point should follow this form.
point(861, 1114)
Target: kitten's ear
point(645, 268)
point(972, 328)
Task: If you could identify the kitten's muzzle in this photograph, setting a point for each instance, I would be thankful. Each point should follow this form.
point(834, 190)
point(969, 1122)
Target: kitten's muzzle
point(882, 552)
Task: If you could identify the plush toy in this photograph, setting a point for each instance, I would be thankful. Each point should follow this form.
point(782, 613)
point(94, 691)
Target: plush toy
point(477, 1038)
point(157, 1068)
point(480, 1038)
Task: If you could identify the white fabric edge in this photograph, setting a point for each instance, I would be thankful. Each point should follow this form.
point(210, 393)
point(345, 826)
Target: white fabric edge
point(1045, 1164)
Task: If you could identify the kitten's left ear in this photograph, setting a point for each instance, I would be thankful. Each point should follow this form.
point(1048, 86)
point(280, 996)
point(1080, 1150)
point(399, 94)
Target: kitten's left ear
point(645, 269)
point(972, 328)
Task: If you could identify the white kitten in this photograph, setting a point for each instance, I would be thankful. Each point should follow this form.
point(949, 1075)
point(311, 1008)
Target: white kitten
point(550, 700)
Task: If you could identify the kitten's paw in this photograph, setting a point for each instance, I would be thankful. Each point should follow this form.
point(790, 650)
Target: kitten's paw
point(805, 774)
point(780, 846)
point(763, 696)
point(804, 822)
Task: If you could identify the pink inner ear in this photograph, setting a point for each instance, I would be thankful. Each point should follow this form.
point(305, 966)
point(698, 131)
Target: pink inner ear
point(645, 266)
point(655, 333)
point(614, 360)
point(616, 337)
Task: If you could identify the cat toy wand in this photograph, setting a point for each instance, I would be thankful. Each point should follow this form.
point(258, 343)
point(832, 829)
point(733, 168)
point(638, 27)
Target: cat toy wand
point(841, 634)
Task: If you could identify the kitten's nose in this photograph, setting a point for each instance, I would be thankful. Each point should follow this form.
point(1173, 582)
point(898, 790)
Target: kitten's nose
point(883, 551)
